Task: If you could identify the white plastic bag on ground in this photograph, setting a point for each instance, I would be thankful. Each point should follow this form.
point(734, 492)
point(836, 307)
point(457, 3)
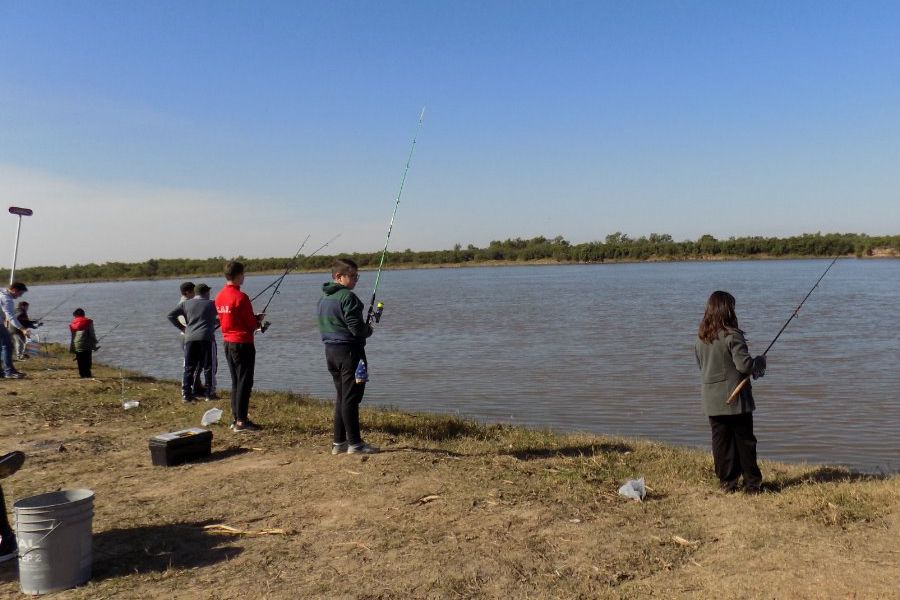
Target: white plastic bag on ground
point(211, 416)
point(634, 488)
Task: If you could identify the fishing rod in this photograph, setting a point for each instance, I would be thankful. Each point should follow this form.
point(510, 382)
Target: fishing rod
point(52, 310)
point(96, 346)
point(265, 324)
point(376, 310)
point(740, 386)
point(287, 269)
point(113, 328)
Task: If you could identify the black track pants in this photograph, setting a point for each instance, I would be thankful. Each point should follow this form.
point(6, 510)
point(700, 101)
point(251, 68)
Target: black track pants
point(241, 362)
point(734, 450)
point(342, 360)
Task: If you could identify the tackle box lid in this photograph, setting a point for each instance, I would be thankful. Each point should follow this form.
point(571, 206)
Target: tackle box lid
point(164, 438)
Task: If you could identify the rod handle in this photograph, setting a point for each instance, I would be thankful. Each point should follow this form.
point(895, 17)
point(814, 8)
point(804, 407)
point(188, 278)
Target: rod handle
point(737, 390)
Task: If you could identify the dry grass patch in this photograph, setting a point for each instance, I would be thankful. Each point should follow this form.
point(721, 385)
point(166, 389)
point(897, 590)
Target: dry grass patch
point(451, 509)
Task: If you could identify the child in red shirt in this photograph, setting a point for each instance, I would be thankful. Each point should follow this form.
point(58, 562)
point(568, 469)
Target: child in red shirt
point(238, 325)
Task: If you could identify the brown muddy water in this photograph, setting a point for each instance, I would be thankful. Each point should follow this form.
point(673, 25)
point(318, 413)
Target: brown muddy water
point(603, 348)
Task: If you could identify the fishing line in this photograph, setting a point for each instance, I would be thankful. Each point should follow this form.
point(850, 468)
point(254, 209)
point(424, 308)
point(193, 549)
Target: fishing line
point(56, 306)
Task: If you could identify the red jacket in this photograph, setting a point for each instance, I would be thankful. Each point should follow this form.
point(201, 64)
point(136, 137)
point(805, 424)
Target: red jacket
point(80, 324)
point(236, 315)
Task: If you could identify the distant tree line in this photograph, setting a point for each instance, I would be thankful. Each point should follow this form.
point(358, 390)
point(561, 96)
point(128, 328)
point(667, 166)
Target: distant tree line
point(616, 246)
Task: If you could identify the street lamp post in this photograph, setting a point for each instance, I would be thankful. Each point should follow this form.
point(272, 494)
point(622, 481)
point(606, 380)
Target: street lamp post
point(20, 212)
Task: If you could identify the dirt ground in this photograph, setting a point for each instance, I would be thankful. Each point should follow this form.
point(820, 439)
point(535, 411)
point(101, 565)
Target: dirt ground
point(450, 509)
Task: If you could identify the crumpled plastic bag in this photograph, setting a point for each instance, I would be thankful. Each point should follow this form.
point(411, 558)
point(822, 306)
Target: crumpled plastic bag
point(634, 488)
point(211, 416)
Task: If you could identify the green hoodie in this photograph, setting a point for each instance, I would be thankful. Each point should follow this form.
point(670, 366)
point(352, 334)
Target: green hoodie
point(340, 315)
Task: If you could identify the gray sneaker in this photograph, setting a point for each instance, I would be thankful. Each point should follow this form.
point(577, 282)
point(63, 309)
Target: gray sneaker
point(339, 448)
point(363, 448)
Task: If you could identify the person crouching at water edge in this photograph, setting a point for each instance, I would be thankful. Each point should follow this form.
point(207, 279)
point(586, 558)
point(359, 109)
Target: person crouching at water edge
point(238, 325)
point(344, 332)
point(724, 362)
point(83, 342)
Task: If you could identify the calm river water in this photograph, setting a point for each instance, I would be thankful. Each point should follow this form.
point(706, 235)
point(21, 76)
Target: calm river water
point(601, 348)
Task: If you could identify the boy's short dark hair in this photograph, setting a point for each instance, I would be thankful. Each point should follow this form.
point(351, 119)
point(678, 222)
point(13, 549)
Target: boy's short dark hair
point(232, 269)
point(24, 303)
point(187, 287)
point(18, 286)
point(79, 312)
point(202, 289)
point(342, 266)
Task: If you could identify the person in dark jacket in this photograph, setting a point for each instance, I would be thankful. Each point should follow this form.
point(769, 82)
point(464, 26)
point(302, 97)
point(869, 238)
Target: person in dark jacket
point(199, 315)
point(18, 338)
point(83, 342)
point(724, 362)
point(344, 332)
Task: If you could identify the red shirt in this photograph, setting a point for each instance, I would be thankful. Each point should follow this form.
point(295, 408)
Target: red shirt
point(236, 315)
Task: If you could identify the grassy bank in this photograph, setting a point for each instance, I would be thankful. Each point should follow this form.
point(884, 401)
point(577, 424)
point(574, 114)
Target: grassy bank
point(451, 509)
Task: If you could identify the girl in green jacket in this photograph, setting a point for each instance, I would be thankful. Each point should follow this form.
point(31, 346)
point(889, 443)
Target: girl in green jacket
point(724, 362)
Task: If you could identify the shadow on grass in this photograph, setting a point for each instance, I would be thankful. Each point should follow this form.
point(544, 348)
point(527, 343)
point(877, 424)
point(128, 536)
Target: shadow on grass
point(437, 430)
point(820, 475)
point(436, 451)
point(583, 450)
point(218, 455)
point(139, 378)
point(156, 548)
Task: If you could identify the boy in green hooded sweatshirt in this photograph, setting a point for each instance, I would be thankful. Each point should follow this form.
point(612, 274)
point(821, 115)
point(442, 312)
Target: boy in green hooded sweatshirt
point(344, 332)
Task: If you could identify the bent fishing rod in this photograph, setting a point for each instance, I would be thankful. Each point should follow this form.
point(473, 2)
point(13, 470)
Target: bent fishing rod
point(740, 386)
point(376, 310)
point(265, 324)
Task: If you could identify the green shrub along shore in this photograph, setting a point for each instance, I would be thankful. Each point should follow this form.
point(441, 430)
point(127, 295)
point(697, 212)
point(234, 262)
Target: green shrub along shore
point(616, 247)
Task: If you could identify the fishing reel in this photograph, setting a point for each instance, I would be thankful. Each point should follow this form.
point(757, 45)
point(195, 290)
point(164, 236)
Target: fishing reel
point(376, 314)
point(261, 321)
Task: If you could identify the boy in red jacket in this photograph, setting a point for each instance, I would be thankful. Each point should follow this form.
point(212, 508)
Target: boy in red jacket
point(238, 324)
point(83, 342)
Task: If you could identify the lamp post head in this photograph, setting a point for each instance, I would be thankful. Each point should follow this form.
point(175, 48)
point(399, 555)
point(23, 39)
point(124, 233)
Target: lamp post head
point(22, 212)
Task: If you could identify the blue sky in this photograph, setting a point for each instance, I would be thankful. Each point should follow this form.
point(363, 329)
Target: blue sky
point(164, 129)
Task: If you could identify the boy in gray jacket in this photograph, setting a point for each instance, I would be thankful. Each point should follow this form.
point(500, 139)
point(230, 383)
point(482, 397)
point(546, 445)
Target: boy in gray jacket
point(199, 335)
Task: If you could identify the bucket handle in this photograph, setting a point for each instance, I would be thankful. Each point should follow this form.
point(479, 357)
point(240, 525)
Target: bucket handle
point(46, 535)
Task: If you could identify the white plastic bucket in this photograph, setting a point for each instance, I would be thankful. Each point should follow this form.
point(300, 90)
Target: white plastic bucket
point(54, 535)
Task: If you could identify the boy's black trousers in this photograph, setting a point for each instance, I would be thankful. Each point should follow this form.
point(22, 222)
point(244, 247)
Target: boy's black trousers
point(241, 362)
point(197, 359)
point(84, 363)
point(342, 360)
point(734, 450)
